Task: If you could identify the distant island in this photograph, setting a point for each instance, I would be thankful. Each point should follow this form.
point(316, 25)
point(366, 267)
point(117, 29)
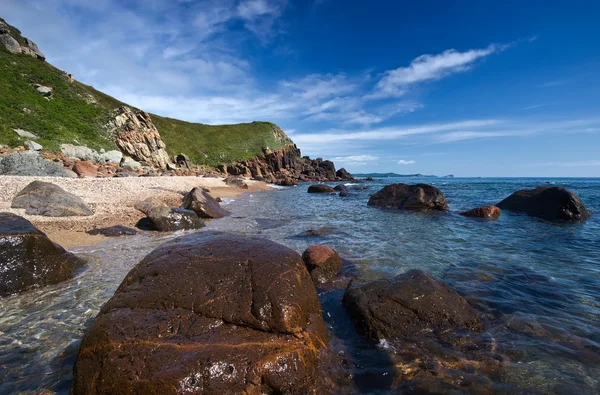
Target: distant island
point(390, 175)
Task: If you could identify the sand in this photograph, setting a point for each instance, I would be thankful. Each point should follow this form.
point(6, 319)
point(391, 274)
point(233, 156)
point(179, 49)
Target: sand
point(111, 200)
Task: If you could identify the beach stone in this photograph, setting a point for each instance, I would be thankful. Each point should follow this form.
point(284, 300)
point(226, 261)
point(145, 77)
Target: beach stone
point(236, 181)
point(166, 219)
point(320, 188)
point(28, 258)
point(33, 146)
point(85, 168)
point(203, 314)
point(551, 203)
point(407, 305)
point(322, 263)
point(203, 204)
point(420, 197)
point(111, 157)
point(30, 164)
point(113, 231)
point(44, 198)
point(130, 164)
point(71, 173)
point(488, 212)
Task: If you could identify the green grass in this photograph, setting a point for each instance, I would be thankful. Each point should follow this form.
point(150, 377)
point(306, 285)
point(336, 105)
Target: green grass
point(69, 117)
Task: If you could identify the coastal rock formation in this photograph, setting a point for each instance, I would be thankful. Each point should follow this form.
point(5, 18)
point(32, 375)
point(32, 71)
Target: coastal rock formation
point(344, 175)
point(44, 198)
point(322, 263)
point(340, 188)
point(13, 46)
point(210, 313)
point(28, 258)
point(551, 203)
point(113, 231)
point(235, 181)
point(136, 136)
point(29, 163)
point(409, 304)
point(166, 219)
point(203, 204)
point(419, 197)
point(320, 188)
point(488, 212)
point(85, 153)
point(85, 168)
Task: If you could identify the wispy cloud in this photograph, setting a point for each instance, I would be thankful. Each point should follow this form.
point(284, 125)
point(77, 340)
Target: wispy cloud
point(356, 158)
point(552, 83)
point(533, 107)
point(406, 162)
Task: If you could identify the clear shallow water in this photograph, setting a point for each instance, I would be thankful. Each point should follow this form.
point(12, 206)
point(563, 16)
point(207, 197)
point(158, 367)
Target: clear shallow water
point(537, 284)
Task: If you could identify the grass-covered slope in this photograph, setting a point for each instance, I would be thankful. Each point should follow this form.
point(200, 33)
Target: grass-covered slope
point(77, 113)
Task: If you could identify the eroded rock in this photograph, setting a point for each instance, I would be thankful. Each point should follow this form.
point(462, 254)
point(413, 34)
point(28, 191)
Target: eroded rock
point(420, 197)
point(85, 168)
point(203, 204)
point(320, 188)
point(44, 198)
point(487, 212)
point(322, 262)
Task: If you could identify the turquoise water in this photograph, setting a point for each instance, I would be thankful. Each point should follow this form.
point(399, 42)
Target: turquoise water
point(536, 284)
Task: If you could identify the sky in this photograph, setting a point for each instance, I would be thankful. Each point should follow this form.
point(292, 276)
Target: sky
point(470, 88)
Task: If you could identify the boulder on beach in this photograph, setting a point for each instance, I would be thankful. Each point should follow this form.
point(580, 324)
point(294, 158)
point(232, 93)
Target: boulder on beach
point(29, 259)
point(167, 219)
point(420, 197)
point(320, 188)
point(113, 231)
point(236, 181)
point(487, 212)
point(30, 163)
point(551, 203)
point(407, 305)
point(322, 262)
point(210, 313)
point(47, 199)
point(85, 169)
point(145, 205)
point(203, 204)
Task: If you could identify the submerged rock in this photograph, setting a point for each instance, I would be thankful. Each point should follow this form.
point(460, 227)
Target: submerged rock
point(166, 219)
point(113, 231)
point(420, 197)
point(320, 188)
point(341, 188)
point(407, 305)
point(30, 164)
point(322, 262)
point(551, 203)
point(488, 212)
point(28, 258)
point(203, 314)
point(203, 204)
point(44, 198)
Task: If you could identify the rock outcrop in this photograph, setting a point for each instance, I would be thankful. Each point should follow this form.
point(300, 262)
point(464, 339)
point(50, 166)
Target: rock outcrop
point(30, 164)
point(203, 204)
point(85, 153)
point(322, 262)
point(420, 197)
point(487, 212)
point(44, 198)
point(203, 314)
point(28, 258)
point(13, 46)
point(551, 203)
point(320, 188)
point(136, 136)
point(408, 305)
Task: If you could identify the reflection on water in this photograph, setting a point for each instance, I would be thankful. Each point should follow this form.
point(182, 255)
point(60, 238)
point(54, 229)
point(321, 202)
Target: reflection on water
point(536, 284)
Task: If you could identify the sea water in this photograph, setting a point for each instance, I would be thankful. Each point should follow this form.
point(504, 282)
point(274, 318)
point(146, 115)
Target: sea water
point(535, 283)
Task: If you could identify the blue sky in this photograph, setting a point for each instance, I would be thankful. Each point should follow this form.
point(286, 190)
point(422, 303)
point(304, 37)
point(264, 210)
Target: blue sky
point(471, 88)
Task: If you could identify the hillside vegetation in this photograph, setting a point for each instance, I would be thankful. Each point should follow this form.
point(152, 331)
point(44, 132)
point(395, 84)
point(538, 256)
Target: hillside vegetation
point(77, 113)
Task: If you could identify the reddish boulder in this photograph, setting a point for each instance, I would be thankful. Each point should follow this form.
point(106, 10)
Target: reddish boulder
point(420, 197)
point(551, 203)
point(488, 212)
point(210, 313)
point(322, 263)
point(85, 168)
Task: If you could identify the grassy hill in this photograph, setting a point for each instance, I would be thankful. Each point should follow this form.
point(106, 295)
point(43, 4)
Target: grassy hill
point(76, 114)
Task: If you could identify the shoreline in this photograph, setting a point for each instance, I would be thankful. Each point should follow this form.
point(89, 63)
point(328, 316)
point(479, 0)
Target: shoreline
point(112, 201)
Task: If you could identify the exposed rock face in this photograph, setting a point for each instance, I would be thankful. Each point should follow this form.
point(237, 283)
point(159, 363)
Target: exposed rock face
point(202, 314)
point(136, 136)
point(203, 204)
point(320, 188)
point(410, 304)
point(44, 198)
point(30, 164)
point(419, 197)
point(113, 231)
point(85, 168)
point(488, 212)
point(166, 219)
point(13, 46)
point(28, 258)
point(551, 203)
point(10, 43)
point(322, 263)
point(182, 161)
point(344, 175)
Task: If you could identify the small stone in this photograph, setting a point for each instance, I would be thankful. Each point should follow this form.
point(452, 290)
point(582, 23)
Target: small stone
point(33, 146)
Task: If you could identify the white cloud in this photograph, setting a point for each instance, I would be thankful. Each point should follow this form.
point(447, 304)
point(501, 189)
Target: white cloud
point(356, 158)
point(406, 162)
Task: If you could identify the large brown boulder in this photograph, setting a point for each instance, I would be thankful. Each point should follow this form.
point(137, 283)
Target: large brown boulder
point(344, 175)
point(420, 197)
point(551, 203)
point(210, 313)
point(28, 258)
point(487, 212)
point(322, 263)
point(320, 188)
point(203, 204)
point(237, 182)
point(44, 198)
point(85, 168)
point(407, 305)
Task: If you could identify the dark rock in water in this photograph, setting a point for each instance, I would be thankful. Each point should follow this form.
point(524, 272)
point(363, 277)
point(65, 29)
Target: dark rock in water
point(237, 182)
point(344, 175)
point(113, 231)
point(551, 203)
point(30, 164)
point(44, 198)
point(203, 204)
point(420, 197)
point(322, 263)
point(319, 232)
point(29, 259)
point(320, 188)
point(166, 219)
point(145, 224)
point(209, 313)
point(369, 179)
point(407, 305)
point(345, 194)
point(341, 188)
point(488, 212)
